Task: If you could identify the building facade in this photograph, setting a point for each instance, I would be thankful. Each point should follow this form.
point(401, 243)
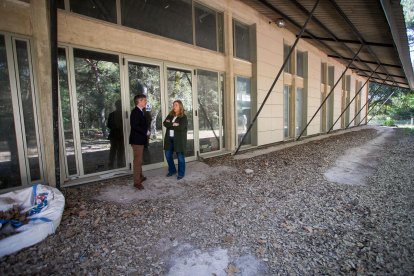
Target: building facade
point(219, 57)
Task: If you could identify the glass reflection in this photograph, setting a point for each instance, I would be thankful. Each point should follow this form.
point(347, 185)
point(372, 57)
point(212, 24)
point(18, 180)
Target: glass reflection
point(209, 111)
point(145, 79)
point(97, 90)
point(28, 109)
point(244, 107)
point(66, 113)
point(9, 158)
point(179, 86)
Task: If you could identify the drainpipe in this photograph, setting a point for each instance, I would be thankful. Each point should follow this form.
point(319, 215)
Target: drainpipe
point(278, 75)
point(55, 96)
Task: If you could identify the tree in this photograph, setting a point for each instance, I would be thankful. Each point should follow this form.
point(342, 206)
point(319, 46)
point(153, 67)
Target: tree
point(408, 7)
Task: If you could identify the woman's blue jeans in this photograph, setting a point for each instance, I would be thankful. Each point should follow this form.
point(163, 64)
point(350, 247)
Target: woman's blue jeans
point(169, 154)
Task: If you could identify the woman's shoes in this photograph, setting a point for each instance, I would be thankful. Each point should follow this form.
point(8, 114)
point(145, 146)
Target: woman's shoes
point(180, 177)
point(170, 174)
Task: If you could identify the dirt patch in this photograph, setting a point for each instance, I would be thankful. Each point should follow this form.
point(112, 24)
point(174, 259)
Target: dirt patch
point(358, 163)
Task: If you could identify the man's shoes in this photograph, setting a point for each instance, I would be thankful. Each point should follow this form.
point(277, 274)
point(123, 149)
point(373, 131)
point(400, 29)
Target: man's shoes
point(139, 186)
point(143, 178)
point(170, 174)
point(180, 177)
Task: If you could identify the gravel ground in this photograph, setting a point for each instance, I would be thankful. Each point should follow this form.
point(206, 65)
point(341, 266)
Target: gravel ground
point(273, 214)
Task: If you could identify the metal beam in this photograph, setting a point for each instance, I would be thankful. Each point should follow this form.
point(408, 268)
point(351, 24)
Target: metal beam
point(394, 88)
point(356, 94)
point(378, 73)
point(394, 82)
point(320, 24)
point(278, 74)
point(357, 33)
point(371, 62)
point(349, 41)
point(372, 108)
point(294, 23)
point(343, 73)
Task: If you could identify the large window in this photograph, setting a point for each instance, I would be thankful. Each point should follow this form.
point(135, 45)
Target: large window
point(20, 151)
point(241, 40)
point(243, 109)
point(286, 110)
point(210, 97)
point(172, 19)
point(183, 20)
point(208, 28)
point(300, 111)
point(288, 65)
point(300, 64)
point(358, 90)
point(102, 9)
point(331, 98)
point(66, 114)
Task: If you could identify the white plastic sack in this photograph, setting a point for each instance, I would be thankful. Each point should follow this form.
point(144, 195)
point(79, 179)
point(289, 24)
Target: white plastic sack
point(46, 205)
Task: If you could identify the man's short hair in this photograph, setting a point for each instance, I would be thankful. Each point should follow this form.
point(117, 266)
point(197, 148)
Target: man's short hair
point(138, 97)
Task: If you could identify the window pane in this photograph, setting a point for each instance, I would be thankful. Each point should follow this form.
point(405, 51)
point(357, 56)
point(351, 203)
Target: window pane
point(286, 50)
point(209, 110)
point(9, 157)
point(205, 27)
point(241, 41)
point(220, 30)
point(286, 95)
point(222, 109)
point(172, 19)
point(66, 113)
point(323, 73)
point(60, 4)
point(28, 108)
point(179, 87)
point(102, 9)
point(298, 111)
point(97, 90)
point(299, 63)
point(244, 107)
point(145, 79)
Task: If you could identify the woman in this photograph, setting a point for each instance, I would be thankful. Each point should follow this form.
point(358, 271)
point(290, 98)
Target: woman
point(176, 139)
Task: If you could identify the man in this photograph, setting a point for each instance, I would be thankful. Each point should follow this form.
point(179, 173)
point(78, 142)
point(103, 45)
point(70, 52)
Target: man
point(138, 137)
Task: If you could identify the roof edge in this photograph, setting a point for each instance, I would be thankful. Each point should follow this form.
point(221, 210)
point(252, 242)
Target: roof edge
point(395, 17)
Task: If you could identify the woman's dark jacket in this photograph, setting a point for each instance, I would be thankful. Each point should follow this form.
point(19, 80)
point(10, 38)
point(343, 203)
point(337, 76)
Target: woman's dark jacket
point(139, 128)
point(180, 133)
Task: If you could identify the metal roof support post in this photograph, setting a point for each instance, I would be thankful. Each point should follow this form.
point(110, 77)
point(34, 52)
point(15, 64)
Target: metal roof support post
point(373, 94)
point(395, 90)
point(372, 107)
point(356, 94)
point(278, 75)
point(330, 92)
point(55, 91)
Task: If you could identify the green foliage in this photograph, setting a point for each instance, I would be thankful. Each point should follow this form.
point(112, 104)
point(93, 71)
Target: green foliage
point(389, 122)
point(408, 7)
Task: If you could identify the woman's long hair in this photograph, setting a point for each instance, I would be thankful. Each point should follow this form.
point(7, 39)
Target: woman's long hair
point(180, 112)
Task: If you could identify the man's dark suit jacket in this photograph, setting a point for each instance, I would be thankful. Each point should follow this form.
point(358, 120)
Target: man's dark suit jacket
point(139, 128)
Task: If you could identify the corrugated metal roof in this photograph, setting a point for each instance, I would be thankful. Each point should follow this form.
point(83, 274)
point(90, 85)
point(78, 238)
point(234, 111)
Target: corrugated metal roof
point(340, 27)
